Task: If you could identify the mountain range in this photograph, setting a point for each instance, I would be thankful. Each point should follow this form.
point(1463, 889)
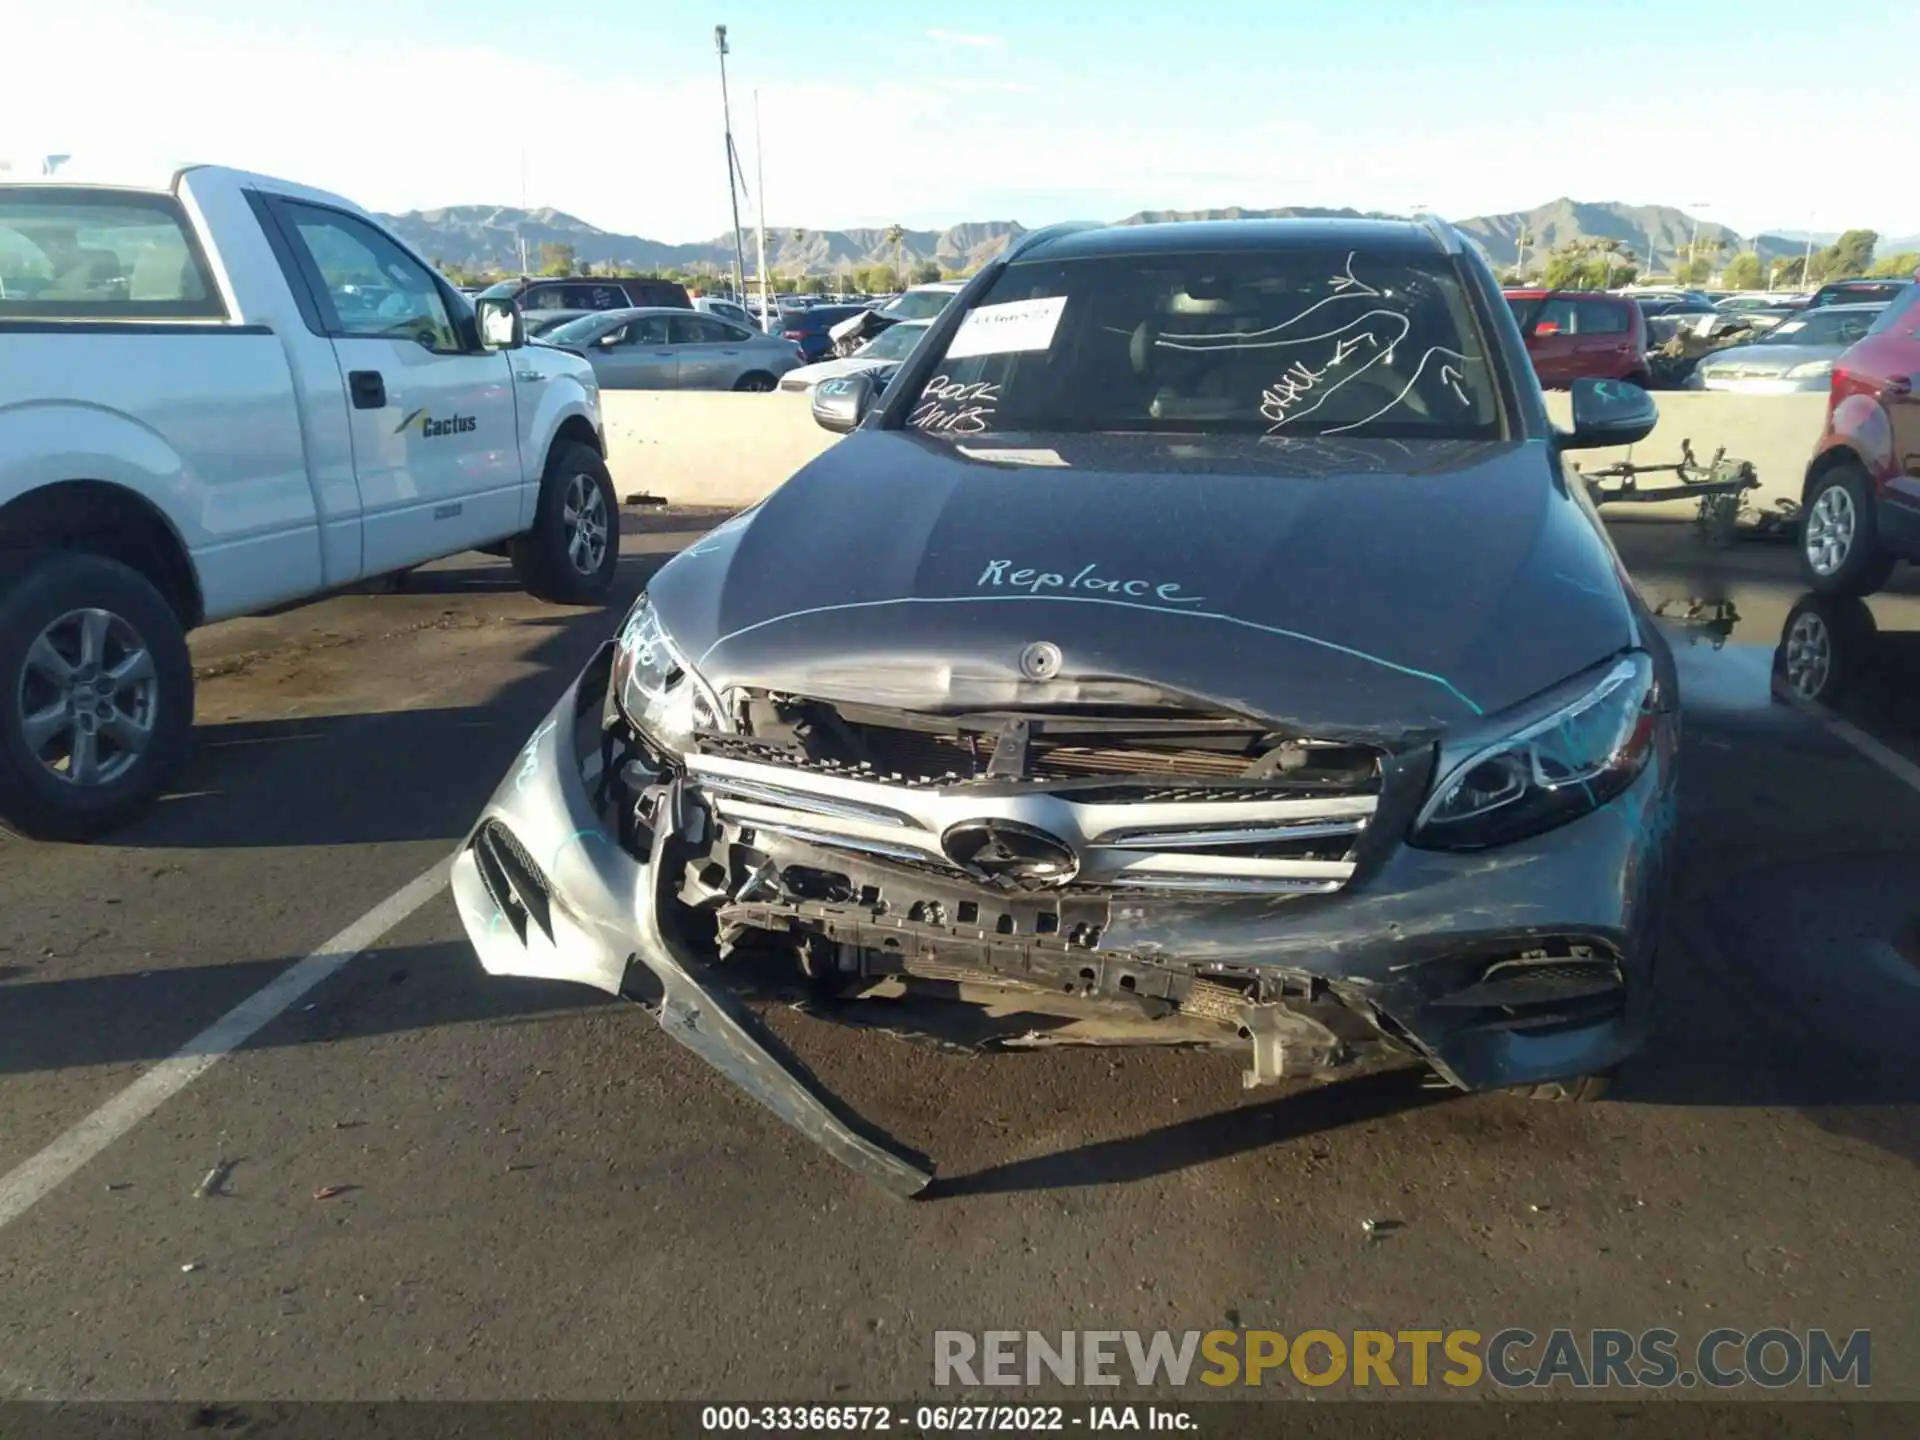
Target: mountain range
point(488, 237)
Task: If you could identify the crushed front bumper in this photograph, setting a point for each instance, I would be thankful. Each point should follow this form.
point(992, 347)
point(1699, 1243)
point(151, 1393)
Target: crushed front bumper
point(548, 886)
point(600, 917)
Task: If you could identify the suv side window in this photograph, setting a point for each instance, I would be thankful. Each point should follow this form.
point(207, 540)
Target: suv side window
point(373, 288)
point(100, 255)
point(1600, 317)
point(593, 297)
point(1904, 313)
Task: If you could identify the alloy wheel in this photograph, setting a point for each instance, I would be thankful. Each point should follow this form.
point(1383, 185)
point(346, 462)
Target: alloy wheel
point(584, 516)
point(1830, 530)
point(87, 697)
point(1809, 656)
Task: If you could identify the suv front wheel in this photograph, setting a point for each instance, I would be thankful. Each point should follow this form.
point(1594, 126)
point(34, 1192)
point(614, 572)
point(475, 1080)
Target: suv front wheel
point(1840, 548)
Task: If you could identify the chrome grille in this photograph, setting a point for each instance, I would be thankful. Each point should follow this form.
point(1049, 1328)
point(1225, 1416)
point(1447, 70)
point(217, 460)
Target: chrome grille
point(1251, 840)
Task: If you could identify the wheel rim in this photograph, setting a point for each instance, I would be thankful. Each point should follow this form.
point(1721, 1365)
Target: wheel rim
point(1830, 529)
point(1809, 658)
point(584, 517)
point(758, 384)
point(87, 698)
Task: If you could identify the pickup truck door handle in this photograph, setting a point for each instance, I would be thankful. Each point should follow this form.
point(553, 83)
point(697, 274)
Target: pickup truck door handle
point(368, 389)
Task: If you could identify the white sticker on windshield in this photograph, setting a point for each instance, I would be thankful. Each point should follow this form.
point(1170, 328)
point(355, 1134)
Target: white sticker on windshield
point(1004, 329)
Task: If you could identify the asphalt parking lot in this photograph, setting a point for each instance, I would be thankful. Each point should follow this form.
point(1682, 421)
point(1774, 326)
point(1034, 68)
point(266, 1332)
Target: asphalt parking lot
point(441, 1186)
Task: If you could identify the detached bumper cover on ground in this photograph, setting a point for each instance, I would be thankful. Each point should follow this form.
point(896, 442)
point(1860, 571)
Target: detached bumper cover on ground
point(1421, 948)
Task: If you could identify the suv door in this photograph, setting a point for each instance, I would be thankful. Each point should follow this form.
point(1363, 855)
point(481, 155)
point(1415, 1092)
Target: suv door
point(636, 356)
point(1549, 334)
point(1891, 355)
point(709, 350)
point(436, 448)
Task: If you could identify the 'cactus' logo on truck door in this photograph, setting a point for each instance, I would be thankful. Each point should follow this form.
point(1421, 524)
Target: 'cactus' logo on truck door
point(431, 429)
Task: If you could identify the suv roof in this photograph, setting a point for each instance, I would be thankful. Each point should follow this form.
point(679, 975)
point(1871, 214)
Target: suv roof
point(1173, 237)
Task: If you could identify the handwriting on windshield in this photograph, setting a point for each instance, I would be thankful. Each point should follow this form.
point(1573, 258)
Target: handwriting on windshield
point(949, 407)
point(1363, 344)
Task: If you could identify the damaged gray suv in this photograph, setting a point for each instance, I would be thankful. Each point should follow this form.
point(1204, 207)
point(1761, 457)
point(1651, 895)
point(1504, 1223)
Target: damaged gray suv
point(1195, 641)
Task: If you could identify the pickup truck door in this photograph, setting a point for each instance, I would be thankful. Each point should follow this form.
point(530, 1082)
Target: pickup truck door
point(635, 356)
point(436, 445)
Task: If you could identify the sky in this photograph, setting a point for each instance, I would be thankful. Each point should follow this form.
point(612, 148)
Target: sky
point(1036, 111)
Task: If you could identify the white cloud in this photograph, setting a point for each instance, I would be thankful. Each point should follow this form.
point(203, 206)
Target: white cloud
point(957, 37)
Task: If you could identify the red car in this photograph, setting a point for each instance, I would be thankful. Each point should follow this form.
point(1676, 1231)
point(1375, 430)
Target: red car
point(1573, 335)
point(1860, 509)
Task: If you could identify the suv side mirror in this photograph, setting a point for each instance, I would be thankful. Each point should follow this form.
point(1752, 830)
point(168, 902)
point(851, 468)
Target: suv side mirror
point(1609, 412)
point(841, 402)
point(501, 327)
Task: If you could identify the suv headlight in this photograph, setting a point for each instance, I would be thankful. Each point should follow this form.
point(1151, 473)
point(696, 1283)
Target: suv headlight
point(1810, 369)
point(1569, 753)
point(661, 695)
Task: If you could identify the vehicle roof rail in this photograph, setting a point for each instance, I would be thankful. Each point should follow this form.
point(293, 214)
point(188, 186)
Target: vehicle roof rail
point(1048, 232)
point(1443, 233)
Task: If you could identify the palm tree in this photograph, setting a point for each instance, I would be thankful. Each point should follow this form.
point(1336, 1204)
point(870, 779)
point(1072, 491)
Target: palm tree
point(1523, 240)
point(895, 235)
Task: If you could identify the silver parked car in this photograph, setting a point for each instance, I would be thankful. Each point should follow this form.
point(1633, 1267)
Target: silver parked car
point(1795, 355)
point(660, 349)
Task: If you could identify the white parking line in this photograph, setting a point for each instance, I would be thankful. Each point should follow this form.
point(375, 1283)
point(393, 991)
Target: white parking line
point(36, 1178)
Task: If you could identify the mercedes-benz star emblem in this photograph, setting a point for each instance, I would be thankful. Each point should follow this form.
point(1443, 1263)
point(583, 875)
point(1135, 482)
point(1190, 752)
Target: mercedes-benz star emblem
point(1005, 852)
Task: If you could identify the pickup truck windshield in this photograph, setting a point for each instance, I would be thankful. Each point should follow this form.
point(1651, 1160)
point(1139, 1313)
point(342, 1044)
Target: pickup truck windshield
point(1287, 342)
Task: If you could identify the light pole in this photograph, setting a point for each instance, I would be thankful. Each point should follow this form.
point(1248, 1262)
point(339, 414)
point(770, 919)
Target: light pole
point(733, 190)
point(1696, 207)
point(760, 180)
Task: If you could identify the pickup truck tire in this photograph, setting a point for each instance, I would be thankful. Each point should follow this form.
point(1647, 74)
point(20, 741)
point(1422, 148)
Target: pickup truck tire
point(96, 695)
point(572, 552)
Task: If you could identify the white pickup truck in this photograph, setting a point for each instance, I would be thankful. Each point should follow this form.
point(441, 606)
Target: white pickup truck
point(219, 393)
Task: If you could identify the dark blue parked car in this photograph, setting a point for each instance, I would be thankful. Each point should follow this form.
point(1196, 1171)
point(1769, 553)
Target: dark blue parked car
point(808, 328)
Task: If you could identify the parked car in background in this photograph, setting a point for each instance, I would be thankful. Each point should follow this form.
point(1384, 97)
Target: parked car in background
point(726, 310)
point(203, 414)
point(1843, 292)
point(1861, 505)
point(922, 302)
point(1573, 335)
point(534, 294)
point(893, 344)
point(808, 328)
point(542, 321)
point(1794, 356)
point(665, 349)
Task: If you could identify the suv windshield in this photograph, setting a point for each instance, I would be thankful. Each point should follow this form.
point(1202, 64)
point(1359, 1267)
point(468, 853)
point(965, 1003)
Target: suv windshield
point(1294, 342)
point(918, 304)
point(895, 342)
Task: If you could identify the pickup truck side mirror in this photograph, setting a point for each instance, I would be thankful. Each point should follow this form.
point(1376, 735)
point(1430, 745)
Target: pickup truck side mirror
point(841, 402)
point(501, 327)
point(1609, 412)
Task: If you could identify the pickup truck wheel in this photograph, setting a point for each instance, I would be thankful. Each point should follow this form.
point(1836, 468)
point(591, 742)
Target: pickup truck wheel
point(96, 696)
point(570, 555)
point(1840, 549)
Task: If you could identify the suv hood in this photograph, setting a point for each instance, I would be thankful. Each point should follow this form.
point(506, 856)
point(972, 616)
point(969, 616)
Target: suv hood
point(1335, 588)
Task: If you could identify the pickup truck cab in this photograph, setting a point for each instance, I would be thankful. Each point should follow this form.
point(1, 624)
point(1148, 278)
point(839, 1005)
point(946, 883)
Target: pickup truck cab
point(220, 393)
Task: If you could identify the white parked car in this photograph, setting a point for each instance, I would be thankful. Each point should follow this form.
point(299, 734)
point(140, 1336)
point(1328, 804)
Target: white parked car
point(894, 343)
point(727, 310)
point(220, 392)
